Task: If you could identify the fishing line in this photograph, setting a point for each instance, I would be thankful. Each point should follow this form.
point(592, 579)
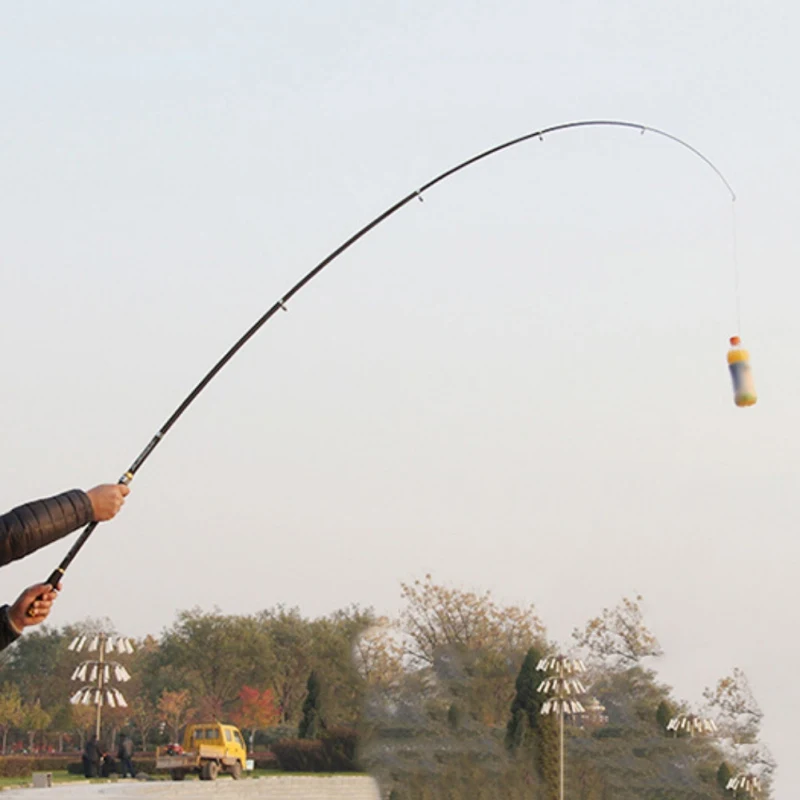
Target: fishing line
point(737, 292)
point(280, 305)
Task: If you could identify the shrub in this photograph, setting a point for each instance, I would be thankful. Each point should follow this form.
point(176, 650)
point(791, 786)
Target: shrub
point(265, 759)
point(340, 745)
point(301, 755)
point(334, 752)
point(266, 737)
point(21, 766)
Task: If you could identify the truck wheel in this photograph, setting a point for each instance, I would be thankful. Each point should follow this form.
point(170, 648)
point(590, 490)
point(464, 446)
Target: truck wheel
point(177, 774)
point(209, 771)
point(236, 771)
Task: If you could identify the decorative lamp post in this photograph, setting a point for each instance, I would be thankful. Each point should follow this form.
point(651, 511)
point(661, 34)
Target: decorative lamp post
point(691, 724)
point(98, 674)
point(564, 691)
point(747, 783)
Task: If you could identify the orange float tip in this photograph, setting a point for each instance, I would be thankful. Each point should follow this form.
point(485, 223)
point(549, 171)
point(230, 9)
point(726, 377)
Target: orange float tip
point(735, 340)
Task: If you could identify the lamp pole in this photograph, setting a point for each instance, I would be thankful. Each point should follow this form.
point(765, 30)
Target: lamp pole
point(97, 674)
point(564, 690)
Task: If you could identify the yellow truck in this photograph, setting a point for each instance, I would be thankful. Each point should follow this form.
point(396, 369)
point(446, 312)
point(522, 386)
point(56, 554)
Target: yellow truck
point(208, 749)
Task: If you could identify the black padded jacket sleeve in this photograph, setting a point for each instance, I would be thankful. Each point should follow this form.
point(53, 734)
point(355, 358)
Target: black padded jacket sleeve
point(7, 632)
point(27, 528)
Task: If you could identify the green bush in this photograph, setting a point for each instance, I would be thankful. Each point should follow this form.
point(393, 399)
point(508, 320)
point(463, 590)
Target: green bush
point(334, 752)
point(340, 746)
point(22, 766)
point(265, 759)
point(301, 755)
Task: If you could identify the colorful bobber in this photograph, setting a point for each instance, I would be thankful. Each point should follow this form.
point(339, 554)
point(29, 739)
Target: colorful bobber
point(744, 387)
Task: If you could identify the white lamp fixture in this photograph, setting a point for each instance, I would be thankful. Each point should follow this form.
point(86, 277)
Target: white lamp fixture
point(747, 783)
point(99, 673)
point(692, 724)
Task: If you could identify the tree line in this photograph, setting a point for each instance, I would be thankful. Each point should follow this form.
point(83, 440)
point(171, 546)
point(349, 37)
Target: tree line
point(445, 694)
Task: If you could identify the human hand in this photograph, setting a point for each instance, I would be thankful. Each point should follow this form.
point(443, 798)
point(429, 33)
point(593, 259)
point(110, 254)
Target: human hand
point(33, 605)
point(107, 500)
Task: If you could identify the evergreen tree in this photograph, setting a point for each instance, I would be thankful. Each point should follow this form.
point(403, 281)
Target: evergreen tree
point(312, 723)
point(455, 716)
point(524, 721)
point(528, 728)
point(663, 715)
point(724, 774)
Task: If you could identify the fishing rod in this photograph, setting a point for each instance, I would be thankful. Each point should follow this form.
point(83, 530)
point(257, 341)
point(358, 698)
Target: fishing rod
point(280, 305)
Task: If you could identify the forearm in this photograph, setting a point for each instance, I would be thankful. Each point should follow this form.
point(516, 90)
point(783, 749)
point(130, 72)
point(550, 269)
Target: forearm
point(26, 528)
point(8, 633)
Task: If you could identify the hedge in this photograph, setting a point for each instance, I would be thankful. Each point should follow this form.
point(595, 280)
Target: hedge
point(264, 759)
point(22, 766)
point(335, 751)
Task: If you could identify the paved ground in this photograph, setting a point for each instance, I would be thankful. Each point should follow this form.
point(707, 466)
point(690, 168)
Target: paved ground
point(284, 787)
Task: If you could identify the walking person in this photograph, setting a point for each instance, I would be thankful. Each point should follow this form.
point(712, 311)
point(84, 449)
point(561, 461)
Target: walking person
point(125, 754)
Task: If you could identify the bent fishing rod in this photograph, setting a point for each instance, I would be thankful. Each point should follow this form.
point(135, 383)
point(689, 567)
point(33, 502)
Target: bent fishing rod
point(280, 305)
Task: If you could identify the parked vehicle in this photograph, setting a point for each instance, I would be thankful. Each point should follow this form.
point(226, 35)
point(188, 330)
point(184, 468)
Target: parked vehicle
point(208, 749)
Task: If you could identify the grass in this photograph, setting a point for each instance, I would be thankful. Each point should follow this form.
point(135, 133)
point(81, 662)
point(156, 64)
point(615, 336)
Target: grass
point(62, 776)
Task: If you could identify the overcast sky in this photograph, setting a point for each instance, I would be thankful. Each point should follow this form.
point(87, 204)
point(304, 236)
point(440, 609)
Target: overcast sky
point(517, 385)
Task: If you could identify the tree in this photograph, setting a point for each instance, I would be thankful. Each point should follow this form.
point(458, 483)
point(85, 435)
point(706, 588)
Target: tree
point(527, 729)
point(739, 714)
point(216, 655)
point(664, 713)
point(378, 656)
point(739, 718)
point(333, 639)
point(618, 638)
point(466, 632)
point(11, 713)
point(174, 707)
point(291, 647)
point(724, 774)
point(258, 710)
point(526, 708)
point(437, 617)
point(144, 716)
point(83, 720)
point(61, 722)
point(35, 719)
point(313, 722)
point(37, 666)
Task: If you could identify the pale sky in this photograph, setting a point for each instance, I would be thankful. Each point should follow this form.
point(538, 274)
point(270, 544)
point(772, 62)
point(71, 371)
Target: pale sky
point(518, 385)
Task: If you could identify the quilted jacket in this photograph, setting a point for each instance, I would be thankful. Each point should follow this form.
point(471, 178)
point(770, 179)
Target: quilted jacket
point(28, 527)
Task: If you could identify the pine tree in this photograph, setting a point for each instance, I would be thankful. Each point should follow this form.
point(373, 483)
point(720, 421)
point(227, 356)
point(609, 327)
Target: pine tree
point(524, 721)
point(664, 715)
point(312, 723)
point(724, 774)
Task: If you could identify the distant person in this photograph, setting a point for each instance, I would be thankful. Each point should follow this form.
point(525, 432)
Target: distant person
point(25, 529)
point(124, 754)
point(108, 766)
point(92, 757)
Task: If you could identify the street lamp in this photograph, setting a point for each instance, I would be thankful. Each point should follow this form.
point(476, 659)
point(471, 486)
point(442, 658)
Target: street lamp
point(564, 691)
point(98, 674)
point(691, 724)
point(747, 783)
